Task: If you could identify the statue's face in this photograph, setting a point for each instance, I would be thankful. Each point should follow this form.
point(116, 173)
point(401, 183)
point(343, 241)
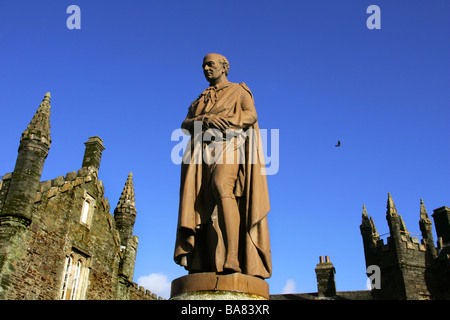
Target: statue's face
point(212, 68)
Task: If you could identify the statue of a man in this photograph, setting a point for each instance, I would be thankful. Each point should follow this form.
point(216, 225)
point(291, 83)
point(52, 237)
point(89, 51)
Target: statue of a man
point(222, 222)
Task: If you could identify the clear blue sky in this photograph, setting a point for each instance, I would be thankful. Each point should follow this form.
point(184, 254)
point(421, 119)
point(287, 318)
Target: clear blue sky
point(318, 75)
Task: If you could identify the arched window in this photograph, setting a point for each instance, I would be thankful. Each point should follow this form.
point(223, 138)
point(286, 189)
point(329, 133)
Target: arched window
point(76, 280)
point(75, 277)
point(66, 276)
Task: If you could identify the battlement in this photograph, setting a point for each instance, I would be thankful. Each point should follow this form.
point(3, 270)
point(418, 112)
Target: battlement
point(410, 243)
point(140, 293)
point(51, 188)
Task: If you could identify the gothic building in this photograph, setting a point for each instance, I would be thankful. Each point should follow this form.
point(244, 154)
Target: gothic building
point(58, 239)
point(409, 269)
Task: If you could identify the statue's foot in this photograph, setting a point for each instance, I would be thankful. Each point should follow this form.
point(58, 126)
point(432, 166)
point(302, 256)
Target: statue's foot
point(231, 267)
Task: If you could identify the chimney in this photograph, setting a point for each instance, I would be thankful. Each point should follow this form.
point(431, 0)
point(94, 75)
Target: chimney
point(93, 153)
point(326, 285)
point(441, 218)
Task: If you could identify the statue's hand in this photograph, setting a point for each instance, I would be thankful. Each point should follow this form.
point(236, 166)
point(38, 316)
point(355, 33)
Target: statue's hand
point(216, 121)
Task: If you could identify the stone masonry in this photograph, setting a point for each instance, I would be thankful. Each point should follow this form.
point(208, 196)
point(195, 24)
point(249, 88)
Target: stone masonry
point(409, 269)
point(58, 239)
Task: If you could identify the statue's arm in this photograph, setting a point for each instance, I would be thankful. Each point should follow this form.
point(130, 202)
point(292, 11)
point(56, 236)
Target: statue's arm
point(188, 123)
point(249, 115)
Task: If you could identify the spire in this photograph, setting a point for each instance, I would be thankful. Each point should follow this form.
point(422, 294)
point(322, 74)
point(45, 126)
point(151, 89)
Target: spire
point(39, 127)
point(126, 201)
point(365, 216)
point(395, 222)
point(125, 212)
point(368, 223)
point(391, 211)
point(423, 213)
point(426, 229)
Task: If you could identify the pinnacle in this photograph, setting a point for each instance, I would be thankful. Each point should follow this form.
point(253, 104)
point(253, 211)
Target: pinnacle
point(365, 216)
point(39, 127)
point(126, 201)
point(423, 211)
point(391, 206)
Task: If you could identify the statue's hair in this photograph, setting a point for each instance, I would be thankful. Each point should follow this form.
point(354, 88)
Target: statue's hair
point(224, 62)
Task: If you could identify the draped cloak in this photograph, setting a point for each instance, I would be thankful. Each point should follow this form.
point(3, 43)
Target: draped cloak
point(199, 245)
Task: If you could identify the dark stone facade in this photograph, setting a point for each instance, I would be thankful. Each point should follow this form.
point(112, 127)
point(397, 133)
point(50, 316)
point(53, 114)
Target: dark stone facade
point(409, 269)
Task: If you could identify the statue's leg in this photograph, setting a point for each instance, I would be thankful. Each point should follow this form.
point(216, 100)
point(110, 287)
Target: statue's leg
point(223, 182)
point(231, 221)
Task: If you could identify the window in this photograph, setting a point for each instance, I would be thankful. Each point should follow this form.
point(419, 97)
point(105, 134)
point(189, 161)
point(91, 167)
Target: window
point(67, 267)
point(87, 209)
point(76, 280)
point(75, 277)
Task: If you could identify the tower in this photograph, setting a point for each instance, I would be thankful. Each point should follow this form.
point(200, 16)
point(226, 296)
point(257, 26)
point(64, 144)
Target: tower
point(33, 150)
point(406, 266)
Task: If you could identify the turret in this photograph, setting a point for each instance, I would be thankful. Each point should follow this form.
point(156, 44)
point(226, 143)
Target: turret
point(125, 216)
point(125, 212)
point(33, 150)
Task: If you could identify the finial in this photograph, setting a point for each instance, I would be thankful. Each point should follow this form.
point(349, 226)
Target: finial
point(365, 216)
point(47, 96)
point(423, 212)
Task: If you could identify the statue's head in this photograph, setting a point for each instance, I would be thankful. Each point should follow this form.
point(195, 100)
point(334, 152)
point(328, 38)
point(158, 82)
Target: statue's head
point(215, 66)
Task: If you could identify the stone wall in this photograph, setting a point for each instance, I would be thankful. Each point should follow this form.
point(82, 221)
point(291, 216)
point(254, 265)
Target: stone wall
point(35, 258)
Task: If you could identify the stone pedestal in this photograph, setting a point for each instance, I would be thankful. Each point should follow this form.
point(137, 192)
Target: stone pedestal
point(212, 286)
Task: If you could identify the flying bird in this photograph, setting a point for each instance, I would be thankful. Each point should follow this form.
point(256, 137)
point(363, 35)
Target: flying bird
point(338, 144)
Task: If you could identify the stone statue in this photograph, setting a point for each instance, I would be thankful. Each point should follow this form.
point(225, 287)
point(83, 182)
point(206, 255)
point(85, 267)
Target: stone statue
point(224, 200)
